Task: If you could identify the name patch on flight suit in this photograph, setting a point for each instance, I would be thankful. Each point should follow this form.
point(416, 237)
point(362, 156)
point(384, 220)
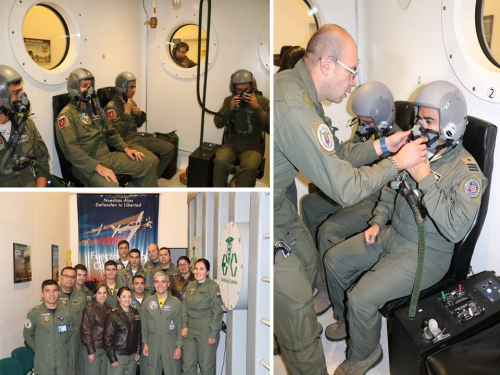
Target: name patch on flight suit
point(46, 317)
point(324, 137)
point(84, 118)
point(76, 302)
point(166, 308)
point(472, 187)
point(111, 114)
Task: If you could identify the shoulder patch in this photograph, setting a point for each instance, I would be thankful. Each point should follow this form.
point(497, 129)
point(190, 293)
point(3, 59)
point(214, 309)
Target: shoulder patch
point(324, 137)
point(111, 114)
point(471, 164)
point(61, 122)
point(28, 324)
point(472, 187)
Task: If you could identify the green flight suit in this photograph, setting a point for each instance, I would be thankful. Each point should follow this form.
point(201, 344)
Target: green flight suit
point(113, 297)
point(243, 143)
point(88, 293)
point(30, 144)
point(76, 302)
point(451, 194)
point(125, 276)
point(51, 347)
point(202, 311)
point(120, 265)
point(127, 124)
point(330, 223)
point(150, 265)
point(304, 141)
point(76, 133)
point(136, 304)
point(172, 270)
point(161, 330)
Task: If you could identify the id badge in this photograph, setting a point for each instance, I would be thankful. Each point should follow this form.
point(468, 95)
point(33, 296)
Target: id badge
point(61, 329)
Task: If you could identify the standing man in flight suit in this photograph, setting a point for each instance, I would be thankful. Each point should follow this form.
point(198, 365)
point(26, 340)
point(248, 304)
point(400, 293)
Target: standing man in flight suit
point(126, 275)
point(154, 257)
point(126, 117)
point(450, 194)
point(47, 331)
point(246, 115)
point(76, 301)
point(304, 141)
point(373, 104)
point(165, 264)
point(123, 249)
point(24, 158)
point(81, 276)
point(139, 295)
point(161, 329)
point(83, 133)
point(110, 272)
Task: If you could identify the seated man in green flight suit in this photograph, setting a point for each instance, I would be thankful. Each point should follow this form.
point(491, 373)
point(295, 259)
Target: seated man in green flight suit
point(24, 158)
point(83, 132)
point(126, 117)
point(450, 193)
point(246, 114)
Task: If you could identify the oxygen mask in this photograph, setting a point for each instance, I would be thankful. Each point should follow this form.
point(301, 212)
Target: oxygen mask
point(20, 106)
point(87, 95)
point(419, 130)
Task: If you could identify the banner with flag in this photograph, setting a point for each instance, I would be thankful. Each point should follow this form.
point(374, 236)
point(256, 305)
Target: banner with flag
point(106, 219)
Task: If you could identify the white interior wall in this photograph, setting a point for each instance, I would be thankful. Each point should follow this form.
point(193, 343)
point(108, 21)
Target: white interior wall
point(397, 47)
point(114, 44)
point(172, 101)
point(38, 220)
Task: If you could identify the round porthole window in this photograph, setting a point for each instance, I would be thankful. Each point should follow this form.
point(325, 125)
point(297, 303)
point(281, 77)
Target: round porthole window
point(47, 39)
point(46, 36)
point(488, 29)
point(183, 46)
point(178, 46)
point(300, 23)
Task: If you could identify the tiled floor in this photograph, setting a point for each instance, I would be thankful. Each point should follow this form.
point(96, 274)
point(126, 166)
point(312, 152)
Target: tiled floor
point(335, 351)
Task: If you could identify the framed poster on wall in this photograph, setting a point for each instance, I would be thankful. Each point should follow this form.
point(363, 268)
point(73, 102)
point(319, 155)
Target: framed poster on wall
point(22, 263)
point(55, 262)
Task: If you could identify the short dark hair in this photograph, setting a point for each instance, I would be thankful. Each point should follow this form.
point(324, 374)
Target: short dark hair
point(67, 268)
point(15, 83)
point(122, 242)
point(165, 248)
point(183, 257)
point(123, 289)
point(110, 263)
point(50, 282)
point(138, 276)
point(80, 267)
point(205, 262)
point(135, 251)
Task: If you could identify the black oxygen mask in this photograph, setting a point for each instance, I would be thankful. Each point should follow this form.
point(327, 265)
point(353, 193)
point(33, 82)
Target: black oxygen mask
point(419, 131)
point(87, 95)
point(20, 106)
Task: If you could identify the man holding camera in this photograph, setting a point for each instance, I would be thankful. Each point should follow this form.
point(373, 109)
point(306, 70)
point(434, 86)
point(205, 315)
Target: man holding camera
point(83, 132)
point(245, 115)
point(20, 142)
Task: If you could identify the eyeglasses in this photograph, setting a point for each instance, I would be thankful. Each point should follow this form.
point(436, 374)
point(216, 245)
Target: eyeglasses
point(183, 264)
point(353, 72)
point(69, 277)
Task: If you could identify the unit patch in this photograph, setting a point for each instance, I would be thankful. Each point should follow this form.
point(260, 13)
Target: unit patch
point(153, 305)
point(62, 122)
point(324, 137)
point(46, 316)
point(84, 118)
point(24, 138)
point(28, 324)
point(223, 307)
point(111, 114)
point(89, 298)
point(472, 187)
point(63, 300)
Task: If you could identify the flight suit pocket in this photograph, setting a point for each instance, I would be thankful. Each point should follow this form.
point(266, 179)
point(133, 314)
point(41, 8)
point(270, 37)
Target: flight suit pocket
point(303, 325)
point(204, 303)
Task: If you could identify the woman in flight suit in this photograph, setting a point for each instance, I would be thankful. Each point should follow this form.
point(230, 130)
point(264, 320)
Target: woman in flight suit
point(122, 335)
point(201, 315)
point(94, 317)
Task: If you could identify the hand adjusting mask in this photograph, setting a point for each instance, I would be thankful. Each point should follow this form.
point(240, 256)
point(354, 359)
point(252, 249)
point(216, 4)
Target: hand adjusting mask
point(419, 131)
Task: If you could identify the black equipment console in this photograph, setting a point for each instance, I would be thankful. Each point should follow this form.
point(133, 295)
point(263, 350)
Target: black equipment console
point(201, 165)
point(460, 312)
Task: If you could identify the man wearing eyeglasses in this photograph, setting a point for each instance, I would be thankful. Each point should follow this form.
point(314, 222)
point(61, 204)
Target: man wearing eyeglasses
point(304, 141)
point(179, 281)
point(76, 301)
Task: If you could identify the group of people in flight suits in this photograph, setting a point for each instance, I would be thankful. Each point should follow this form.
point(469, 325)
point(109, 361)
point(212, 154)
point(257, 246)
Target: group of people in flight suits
point(135, 317)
